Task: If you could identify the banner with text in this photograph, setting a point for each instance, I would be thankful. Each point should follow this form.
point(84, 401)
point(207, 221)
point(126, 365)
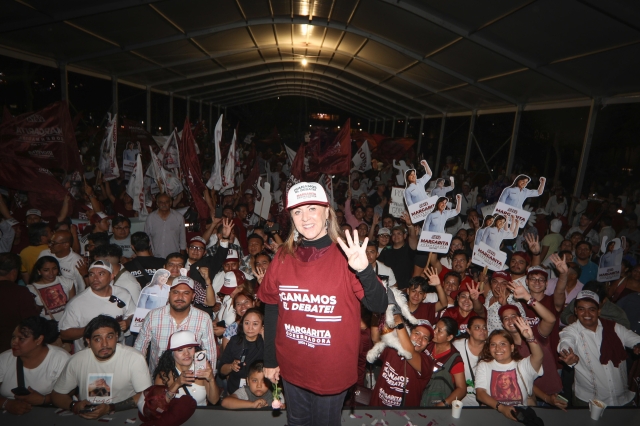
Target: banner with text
point(483, 255)
point(436, 242)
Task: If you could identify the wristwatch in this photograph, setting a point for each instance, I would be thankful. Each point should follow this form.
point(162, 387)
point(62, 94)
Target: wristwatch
point(400, 326)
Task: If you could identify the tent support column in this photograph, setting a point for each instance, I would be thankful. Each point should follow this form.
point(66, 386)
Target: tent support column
point(148, 109)
point(514, 140)
point(472, 125)
point(440, 142)
point(420, 135)
point(586, 148)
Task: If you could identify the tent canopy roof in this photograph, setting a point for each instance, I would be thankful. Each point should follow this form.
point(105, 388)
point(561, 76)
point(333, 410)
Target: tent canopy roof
point(382, 58)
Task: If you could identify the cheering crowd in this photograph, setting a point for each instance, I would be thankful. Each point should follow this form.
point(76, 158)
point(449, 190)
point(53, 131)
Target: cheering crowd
point(216, 302)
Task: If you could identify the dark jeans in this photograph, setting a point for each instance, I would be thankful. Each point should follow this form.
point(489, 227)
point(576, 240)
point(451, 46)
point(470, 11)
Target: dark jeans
point(305, 408)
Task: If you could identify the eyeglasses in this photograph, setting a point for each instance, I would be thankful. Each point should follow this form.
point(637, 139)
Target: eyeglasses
point(538, 280)
point(114, 299)
point(196, 248)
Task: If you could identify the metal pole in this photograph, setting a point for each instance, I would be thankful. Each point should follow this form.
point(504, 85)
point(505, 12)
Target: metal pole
point(514, 140)
point(200, 111)
point(440, 142)
point(420, 135)
point(114, 94)
point(472, 125)
point(384, 123)
point(170, 112)
point(586, 147)
point(64, 81)
point(148, 108)
point(406, 126)
point(393, 127)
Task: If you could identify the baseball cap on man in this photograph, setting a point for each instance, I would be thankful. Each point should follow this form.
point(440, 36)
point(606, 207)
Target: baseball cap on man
point(97, 217)
point(182, 280)
point(556, 225)
point(504, 308)
point(102, 265)
point(537, 270)
point(182, 339)
point(306, 193)
point(232, 280)
point(587, 294)
point(426, 324)
point(384, 231)
point(502, 274)
point(198, 239)
point(35, 212)
point(232, 256)
point(524, 255)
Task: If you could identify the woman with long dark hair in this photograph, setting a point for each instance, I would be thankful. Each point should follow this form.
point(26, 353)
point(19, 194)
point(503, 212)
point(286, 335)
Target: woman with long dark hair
point(51, 290)
point(414, 191)
point(41, 363)
point(175, 370)
point(497, 232)
point(515, 194)
point(312, 292)
point(243, 349)
point(503, 378)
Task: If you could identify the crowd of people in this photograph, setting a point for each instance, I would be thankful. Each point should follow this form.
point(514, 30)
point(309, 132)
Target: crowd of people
point(238, 312)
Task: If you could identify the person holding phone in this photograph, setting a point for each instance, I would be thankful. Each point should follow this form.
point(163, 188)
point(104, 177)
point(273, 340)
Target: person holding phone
point(41, 365)
point(177, 370)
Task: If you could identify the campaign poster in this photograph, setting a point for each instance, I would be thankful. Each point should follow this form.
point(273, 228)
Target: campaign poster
point(610, 265)
point(435, 242)
point(154, 295)
point(419, 203)
point(396, 206)
point(514, 196)
point(483, 255)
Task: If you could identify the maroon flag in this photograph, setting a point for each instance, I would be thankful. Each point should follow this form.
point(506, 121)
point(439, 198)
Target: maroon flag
point(45, 191)
point(335, 159)
point(191, 171)
point(46, 137)
point(393, 149)
point(297, 175)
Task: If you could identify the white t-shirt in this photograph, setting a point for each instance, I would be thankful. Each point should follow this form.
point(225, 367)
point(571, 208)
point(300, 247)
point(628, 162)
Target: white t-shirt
point(124, 244)
point(105, 382)
point(470, 363)
point(68, 268)
point(56, 295)
point(40, 379)
point(88, 305)
point(129, 283)
point(503, 382)
point(384, 270)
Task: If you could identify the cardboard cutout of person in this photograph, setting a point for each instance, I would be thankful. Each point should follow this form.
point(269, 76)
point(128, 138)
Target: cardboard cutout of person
point(512, 198)
point(488, 221)
point(154, 295)
point(440, 190)
point(419, 204)
point(610, 265)
point(433, 237)
point(486, 250)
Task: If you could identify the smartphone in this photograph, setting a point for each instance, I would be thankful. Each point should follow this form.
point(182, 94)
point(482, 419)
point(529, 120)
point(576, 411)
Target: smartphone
point(200, 361)
point(218, 212)
point(20, 391)
point(88, 408)
point(562, 398)
point(274, 228)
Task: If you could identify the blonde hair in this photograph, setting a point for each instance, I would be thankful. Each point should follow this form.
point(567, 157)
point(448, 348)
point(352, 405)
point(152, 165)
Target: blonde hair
point(291, 244)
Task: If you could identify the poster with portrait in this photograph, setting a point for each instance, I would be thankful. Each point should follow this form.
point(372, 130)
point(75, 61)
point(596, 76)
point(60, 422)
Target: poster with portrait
point(610, 265)
point(514, 196)
point(505, 387)
point(396, 206)
point(129, 157)
point(154, 295)
point(486, 249)
point(100, 388)
point(433, 237)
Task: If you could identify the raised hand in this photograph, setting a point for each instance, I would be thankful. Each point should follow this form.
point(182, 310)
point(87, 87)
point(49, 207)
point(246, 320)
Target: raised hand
point(560, 264)
point(82, 267)
point(376, 219)
point(227, 227)
point(524, 328)
point(405, 216)
point(519, 292)
point(259, 272)
point(204, 271)
point(432, 275)
point(568, 357)
point(474, 291)
point(356, 253)
point(532, 242)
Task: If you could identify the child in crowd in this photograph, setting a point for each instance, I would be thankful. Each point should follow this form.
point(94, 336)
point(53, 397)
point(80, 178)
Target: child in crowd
point(255, 394)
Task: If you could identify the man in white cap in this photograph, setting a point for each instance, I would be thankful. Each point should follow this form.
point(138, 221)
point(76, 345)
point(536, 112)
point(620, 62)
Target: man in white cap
point(233, 284)
point(101, 298)
point(384, 237)
point(178, 314)
point(595, 348)
point(33, 216)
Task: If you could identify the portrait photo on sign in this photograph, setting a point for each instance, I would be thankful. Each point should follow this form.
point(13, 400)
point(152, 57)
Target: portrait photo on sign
point(486, 250)
point(440, 190)
point(433, 237)
point(54, 298)
point(156, 293)
point(610, 265)
point(515, 194)
point(419, 203)
point(505, 388)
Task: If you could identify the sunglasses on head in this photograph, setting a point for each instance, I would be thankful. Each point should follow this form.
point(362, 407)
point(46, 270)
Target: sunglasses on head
point(114, 299)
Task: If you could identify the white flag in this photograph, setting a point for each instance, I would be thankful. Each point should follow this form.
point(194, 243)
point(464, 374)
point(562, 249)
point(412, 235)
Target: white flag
point(230, 166)
point(135, 187)
point(327, 184)
point(362, 159)
point(215, 181)
point(108, 164)
point(291, 154)
point(167, 181)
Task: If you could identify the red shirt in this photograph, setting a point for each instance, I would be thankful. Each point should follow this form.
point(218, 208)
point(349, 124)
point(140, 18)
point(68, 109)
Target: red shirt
point(463, 322)
point(391, 381)
point(466, 279)
point(318, 330)
point(533, 319)
point(426, 311)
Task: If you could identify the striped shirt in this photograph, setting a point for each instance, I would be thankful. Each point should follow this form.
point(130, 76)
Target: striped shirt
point(159, 325)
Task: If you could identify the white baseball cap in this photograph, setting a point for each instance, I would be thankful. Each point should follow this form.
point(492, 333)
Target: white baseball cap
point(182, 339)
point(34, 211)
point(587, 294)
point(306, 193)
point(182, 280)
point(102, 264)
point(384, 231)
point(556, 225)
point(232, 280)
point(232, 256)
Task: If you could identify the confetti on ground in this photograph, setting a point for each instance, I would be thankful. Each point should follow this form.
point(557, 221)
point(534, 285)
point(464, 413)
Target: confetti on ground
point(406, 416)
point(422, 415)
point(401, 413)
point(384, 412)
point(370, 416)
point(355, 416)
point(374, 422)
point(105, 419)
point(132, 420)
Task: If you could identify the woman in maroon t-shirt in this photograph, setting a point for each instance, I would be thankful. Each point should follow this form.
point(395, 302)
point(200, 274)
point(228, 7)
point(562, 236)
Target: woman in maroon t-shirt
point(468, 305)
point(312, 292)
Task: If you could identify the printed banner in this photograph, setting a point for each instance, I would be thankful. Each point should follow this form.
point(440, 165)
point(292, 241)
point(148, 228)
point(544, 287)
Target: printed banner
point(138, 319)
point(436, 242)
point(610, 265)
point(483, 255)
point(362, 159)
point(396, 206)
point(108, 164)
point(215, 181)
point(419, 211)
point(505, 210)
point(263, 205)
point(609, 274)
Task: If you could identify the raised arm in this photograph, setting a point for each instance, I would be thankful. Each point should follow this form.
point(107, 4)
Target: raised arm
point(458, 200)
point(547, 318)
point(426, 167)
point(434, 281)
point(559, 294)
point(534, 347)
point(453, 185)
point(541, 186)
point(534, 249)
